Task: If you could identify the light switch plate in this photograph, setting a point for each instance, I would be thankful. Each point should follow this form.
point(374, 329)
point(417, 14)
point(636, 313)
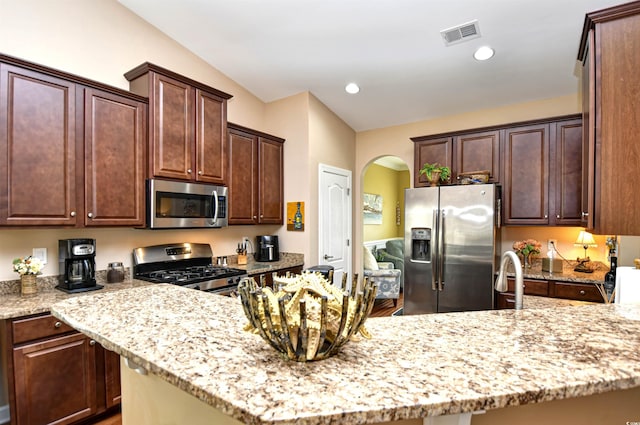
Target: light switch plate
point(40, 254)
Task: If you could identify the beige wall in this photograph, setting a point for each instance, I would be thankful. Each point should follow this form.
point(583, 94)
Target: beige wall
point(331, 142)
point(101, 40)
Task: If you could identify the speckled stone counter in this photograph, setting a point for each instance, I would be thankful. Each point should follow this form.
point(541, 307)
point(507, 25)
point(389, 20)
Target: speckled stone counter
point(567, 275)
point(532, 301)
point(13, 305)
point(287, 260)
point(415, 366)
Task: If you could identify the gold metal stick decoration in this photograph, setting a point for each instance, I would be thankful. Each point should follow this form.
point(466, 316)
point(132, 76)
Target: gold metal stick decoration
point(307, 318)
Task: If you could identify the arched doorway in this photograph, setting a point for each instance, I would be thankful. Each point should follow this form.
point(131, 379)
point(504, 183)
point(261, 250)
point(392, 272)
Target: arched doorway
point(384, 181)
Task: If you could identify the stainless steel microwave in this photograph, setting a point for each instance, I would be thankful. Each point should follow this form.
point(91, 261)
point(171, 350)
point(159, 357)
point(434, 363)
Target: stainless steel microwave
point(183, 205)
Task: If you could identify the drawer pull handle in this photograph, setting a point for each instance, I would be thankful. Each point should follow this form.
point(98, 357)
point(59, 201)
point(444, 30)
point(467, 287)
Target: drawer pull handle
point(57, 325)
point(92, 342)
point(582, 292)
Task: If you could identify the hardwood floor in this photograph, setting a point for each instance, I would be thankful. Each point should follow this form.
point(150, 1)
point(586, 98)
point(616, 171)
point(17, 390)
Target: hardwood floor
point(111, 420)
point(384, 308)
point(380, 309)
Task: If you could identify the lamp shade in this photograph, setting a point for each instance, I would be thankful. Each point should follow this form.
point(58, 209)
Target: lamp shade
point(585, 239)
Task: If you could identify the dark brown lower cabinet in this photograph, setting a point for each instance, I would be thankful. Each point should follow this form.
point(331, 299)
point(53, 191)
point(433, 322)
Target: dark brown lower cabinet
point(268, 277)
point(56, 374)
point(549, 288)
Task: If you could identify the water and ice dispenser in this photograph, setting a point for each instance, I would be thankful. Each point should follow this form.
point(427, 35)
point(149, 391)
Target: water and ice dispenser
point(421, 244)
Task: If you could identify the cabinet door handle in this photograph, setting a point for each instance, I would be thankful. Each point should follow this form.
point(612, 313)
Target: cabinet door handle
point(546, 216)
point(557, 215)
point(189, 171)
point(73, 214)
point(254, 217)
point(92, 342)
point(582, 292)
point(585, 214)
point(199, 173)
point(90, 215)
point(57, 325)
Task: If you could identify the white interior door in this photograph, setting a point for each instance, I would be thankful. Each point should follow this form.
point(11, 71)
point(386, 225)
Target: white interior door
point(335, 220)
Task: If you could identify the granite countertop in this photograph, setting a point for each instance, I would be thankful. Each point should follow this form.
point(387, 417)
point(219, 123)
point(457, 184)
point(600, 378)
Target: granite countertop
point(13, 305)
point(567, 275)
point(533, 301)
point(253, 267)
point(415, 366)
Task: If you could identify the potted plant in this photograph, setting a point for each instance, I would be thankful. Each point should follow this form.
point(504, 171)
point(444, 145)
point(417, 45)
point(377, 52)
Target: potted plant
point(435, 172)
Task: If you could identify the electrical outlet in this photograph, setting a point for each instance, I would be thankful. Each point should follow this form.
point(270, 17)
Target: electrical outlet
point(245, 239)
point(40, 254)
point(552, 244)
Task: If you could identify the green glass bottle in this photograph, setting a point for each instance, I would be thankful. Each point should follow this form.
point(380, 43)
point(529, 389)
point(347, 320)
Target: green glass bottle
point(297, 218)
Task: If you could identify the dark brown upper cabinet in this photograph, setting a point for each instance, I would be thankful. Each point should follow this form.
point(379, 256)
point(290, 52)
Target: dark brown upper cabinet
point(462, 153)
point(609, 49)
point(256, 184)
point(432, 150)
point(71, 150)
point(537, 162)
point(526, 175)
point(187, 125)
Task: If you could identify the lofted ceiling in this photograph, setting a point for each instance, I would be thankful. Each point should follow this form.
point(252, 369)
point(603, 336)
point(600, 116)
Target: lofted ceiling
point(391, 48)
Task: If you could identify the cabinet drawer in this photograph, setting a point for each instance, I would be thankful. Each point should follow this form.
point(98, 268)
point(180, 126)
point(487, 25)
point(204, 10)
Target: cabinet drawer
point(577, 291)
point(38, 327)
point(531, 287)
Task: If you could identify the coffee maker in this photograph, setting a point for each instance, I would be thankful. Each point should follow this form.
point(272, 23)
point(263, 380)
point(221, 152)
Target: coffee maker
point(77, 265)
point(267, 248)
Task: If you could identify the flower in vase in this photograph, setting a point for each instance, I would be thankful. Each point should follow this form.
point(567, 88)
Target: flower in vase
point(27, 265)
point(527, 247)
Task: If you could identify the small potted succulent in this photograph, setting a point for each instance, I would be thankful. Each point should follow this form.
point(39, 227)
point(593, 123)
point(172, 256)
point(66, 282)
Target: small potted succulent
point(435, 172)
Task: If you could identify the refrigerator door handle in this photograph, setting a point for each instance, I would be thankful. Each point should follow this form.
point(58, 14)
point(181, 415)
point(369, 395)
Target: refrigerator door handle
point(441, 251)
point(434, 252)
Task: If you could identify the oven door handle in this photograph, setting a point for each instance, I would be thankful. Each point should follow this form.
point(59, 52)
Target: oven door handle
point(214, 206)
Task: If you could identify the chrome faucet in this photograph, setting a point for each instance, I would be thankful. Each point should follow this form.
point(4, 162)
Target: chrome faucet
point(501, 281)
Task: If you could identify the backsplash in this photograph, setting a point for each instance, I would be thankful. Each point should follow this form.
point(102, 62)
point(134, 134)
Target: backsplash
point(117, 244)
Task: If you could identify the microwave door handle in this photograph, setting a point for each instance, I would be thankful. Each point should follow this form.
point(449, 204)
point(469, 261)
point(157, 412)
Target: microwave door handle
point(214, 206)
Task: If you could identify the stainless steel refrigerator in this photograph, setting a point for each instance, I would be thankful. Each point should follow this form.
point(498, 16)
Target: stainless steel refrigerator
point(451, 243)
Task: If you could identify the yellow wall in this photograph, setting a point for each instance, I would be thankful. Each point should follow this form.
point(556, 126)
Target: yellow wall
point(390, 185)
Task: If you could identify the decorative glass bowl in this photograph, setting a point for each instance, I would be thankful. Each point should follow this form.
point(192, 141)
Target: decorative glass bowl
point(306, 318)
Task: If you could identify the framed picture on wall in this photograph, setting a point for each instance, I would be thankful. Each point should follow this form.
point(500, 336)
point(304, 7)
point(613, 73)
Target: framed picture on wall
point(372, 209)
point(295, 216)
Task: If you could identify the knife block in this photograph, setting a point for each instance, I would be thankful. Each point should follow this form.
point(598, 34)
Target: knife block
point(242, 259)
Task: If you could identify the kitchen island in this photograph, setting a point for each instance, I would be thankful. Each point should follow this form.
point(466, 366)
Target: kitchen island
point(414, 367)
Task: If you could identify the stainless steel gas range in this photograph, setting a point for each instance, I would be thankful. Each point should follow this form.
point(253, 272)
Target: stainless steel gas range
point(185, 264)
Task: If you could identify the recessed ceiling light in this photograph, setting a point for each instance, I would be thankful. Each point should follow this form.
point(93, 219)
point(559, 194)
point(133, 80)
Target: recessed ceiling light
point(483, 53)
point(352, 88)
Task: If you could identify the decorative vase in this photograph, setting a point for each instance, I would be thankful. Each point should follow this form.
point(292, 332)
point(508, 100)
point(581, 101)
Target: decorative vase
point(435, 178)
point(28, 284)
point(527, 261)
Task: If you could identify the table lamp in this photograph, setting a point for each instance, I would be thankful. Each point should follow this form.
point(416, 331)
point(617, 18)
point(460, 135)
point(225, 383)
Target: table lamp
point(585, 240)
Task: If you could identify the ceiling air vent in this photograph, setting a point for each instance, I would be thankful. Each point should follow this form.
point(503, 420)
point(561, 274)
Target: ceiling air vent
point(460, 33)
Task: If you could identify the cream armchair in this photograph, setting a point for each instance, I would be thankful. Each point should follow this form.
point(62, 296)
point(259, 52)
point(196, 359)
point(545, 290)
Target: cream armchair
point(384, 275)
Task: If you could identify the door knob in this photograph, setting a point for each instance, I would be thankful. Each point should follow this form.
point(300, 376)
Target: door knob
point(328, 257)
